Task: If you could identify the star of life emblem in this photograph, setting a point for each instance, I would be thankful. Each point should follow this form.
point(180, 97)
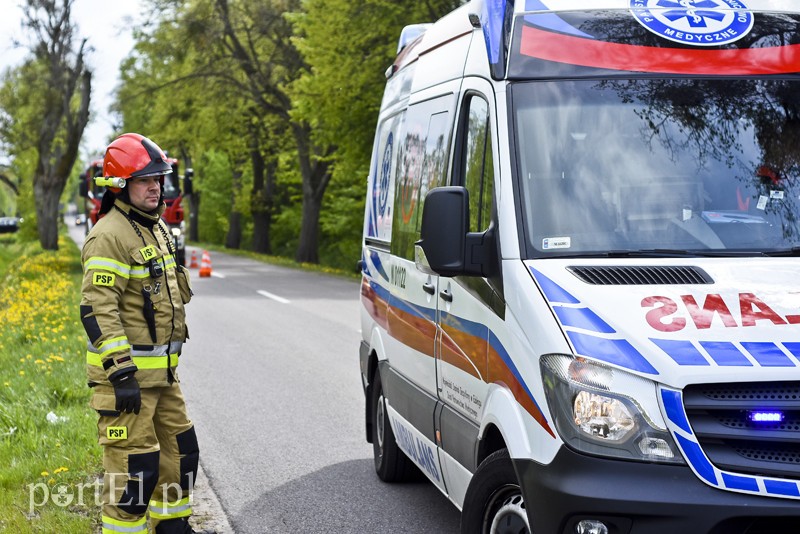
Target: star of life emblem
point(695, 22)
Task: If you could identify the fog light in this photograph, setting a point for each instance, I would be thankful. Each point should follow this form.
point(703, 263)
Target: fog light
point(591, 526)
point(655, 447)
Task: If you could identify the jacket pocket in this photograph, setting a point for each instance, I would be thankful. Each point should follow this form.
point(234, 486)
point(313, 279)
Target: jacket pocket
point(184, 284)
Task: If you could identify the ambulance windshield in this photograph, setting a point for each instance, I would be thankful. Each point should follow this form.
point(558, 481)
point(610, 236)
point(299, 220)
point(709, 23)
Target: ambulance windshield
point(637, 165)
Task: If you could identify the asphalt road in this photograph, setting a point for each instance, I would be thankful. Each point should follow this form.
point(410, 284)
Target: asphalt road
point(271, 377)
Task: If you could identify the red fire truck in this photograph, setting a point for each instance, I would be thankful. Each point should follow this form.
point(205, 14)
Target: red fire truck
point(173, 215)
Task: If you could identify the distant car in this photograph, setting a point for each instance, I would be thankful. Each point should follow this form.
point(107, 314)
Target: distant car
point(80, 219)
point(9, 224)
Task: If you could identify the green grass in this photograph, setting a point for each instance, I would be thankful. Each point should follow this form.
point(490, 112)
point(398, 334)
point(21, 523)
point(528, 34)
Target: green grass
point(48, 470)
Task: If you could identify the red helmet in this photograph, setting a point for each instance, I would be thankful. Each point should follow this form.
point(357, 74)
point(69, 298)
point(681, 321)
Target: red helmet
point(134, 156)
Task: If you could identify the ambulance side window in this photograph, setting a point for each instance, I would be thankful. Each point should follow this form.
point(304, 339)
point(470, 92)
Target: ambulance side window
point(421, 164)
point(477, 165)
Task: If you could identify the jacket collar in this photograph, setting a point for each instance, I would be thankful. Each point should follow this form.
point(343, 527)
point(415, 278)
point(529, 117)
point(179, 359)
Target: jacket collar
point(148, 220)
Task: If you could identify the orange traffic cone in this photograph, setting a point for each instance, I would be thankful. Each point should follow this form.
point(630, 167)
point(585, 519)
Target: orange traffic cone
point(205, 265)
point(193, 265)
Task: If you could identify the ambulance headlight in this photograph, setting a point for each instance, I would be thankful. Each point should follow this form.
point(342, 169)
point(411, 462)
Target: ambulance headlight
point(605, 411)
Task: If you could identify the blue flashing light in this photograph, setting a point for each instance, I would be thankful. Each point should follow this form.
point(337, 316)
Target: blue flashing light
point(766, 416)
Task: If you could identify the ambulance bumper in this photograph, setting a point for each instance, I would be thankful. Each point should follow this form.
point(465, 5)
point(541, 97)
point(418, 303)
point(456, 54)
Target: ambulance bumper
point(640, 498)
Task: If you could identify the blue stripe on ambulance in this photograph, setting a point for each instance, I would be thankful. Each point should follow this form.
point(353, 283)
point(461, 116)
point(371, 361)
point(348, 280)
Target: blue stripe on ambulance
point(617, 351)
point(726, 354)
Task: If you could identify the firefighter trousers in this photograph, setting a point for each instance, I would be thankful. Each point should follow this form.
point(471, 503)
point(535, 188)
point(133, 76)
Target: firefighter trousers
point(150, 459)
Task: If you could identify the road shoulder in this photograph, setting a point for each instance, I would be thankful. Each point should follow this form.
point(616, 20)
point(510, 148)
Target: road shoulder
point(207, 511)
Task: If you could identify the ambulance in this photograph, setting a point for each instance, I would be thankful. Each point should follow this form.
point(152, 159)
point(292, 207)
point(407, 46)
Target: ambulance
point(580, 301)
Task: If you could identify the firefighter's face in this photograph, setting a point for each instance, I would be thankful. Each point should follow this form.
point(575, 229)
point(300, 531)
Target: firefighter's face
point(145, 192)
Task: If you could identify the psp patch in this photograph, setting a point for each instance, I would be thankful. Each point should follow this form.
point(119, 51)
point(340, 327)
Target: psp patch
point(103, 279)
point(695, 22)
point(148, 252)
point(117, 432)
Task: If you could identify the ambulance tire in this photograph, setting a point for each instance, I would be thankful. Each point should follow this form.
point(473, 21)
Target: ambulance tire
point(493, 503)
point(391, 463)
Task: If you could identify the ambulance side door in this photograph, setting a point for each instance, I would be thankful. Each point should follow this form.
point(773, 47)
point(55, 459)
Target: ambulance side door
point(410, 380)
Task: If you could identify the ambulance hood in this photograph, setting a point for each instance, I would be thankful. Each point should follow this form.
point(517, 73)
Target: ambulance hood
point(679, 321)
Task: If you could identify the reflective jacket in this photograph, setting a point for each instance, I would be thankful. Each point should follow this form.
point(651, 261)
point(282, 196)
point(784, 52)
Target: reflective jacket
point(129, 274)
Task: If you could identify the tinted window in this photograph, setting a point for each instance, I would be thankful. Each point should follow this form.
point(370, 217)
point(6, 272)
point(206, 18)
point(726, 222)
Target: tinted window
point(421, 167)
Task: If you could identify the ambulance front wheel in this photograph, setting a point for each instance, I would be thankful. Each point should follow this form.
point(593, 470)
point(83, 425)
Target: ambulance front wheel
point(494, 503)
point(391, 463)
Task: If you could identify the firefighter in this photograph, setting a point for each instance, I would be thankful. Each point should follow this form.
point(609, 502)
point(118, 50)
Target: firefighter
point(132, 308)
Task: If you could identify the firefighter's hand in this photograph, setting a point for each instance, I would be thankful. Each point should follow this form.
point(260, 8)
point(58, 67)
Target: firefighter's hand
point(128, 394)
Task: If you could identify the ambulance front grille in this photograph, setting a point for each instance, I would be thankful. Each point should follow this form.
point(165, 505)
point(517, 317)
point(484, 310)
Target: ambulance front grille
point(619, 275)
point(720, 416)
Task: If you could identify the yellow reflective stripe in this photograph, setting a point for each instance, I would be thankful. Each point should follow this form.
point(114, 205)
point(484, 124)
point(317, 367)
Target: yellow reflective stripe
point(121, 340)
point(163, 510)
point(142, 362)
point(117, 344)
point(155, 362)
point(140, 272)
point(169, 261)
point(92, 358)
point(111, 525)
point(107, 264)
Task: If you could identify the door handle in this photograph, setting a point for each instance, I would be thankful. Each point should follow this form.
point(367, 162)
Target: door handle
point(428, 288)
point(446, 295)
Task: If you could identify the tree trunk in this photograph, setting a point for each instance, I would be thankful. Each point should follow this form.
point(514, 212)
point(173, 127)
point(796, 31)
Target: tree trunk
point(316, 176)
point(194, 209)
point(308, 247)
point(262, 201)
point(46, 194)
point(191, 197)
point(234, 237)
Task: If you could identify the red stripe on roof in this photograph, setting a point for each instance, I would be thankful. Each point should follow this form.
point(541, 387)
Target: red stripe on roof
point(604, 55)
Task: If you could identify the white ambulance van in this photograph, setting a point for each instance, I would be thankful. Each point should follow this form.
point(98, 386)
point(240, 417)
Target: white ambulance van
point(581, 283)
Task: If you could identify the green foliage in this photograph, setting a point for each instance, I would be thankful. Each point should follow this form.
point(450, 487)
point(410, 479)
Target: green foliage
point(317, 63)
point(214, 185)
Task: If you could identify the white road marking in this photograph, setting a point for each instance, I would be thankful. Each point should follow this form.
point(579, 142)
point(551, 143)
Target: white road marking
point(217, 275)
point(273, 297)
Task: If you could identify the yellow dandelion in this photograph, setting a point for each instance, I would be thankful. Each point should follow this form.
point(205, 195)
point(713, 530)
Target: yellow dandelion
point(28, 356)
point(51, 481)
point(7, 384)
point(22, 360)
point(22, 373)
point(45, 474)
point(38, 362)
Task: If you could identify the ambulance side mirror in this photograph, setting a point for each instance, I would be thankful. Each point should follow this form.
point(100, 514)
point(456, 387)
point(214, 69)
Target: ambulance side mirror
point(445, 247)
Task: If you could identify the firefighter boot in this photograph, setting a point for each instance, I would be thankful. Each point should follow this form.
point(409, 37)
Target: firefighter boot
point(179, 526)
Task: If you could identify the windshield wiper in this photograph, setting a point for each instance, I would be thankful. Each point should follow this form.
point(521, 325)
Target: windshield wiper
point(679, 253)
point(794, 251)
